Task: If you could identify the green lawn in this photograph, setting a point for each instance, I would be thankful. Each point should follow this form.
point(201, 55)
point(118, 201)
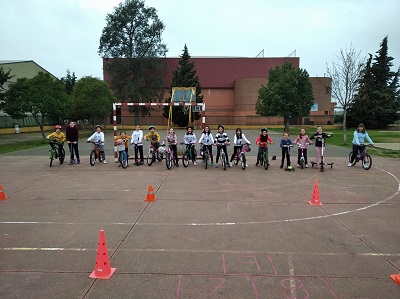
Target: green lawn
point(21, 145)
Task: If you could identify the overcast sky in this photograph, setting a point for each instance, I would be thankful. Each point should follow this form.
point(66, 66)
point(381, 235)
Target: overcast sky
point(64, 34)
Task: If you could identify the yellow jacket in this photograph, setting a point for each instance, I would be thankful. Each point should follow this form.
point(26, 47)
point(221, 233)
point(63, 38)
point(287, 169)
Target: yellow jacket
point(124, 139)
point(154, 137)
point(59, 137)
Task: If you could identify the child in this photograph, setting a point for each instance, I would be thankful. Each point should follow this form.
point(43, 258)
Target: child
point(262, 139)
point(154, 137)
point(190, 138)
point(238, 141)
point(358, 142)
point(319, 143)
point(172, 142)
point(285, 144)
point(72, 134)
point(137, 140)
point(222, 139)
point(98, 139)
point(124, 140)
point(302, 140)
point(60, 138)
point(207, 141)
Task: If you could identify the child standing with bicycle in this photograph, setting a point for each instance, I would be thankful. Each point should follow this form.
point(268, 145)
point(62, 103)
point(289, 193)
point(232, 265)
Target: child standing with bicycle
point(59, 137)
point(190, 139)
point(319, 145)
point(137, 140)
point(172, 140)
point(122, 143)
point(207, 141)
point(302, 139)
point(98, 138)
point(262, 139)
point(238, 141)
point(286, 143)
point(358, 142)
point(222, 139)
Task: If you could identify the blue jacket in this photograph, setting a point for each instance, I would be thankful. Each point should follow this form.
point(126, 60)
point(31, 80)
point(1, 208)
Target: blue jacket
point(359, 138)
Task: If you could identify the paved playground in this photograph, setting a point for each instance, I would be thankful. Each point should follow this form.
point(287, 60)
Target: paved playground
point(210, 233)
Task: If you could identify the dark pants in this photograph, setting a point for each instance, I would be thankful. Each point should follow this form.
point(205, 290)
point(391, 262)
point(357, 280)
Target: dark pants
point(356, 149)
point(286, 153)
point(73, 147)
point(235, 150)
point(209, 150)
point(175, 150)
point(304, 155)
point(260, 151)
point(139, 148)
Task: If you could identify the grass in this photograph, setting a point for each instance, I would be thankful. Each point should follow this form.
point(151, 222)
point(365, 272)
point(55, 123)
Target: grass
point(20, 145)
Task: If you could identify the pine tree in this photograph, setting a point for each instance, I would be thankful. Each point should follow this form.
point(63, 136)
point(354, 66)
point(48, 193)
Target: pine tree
point(377, 101)
point(184, 76)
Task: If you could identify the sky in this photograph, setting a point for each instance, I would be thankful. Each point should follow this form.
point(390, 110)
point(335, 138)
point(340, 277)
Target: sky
point(64, 34)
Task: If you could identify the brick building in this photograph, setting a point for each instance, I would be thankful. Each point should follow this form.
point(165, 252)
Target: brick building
point(230, 89)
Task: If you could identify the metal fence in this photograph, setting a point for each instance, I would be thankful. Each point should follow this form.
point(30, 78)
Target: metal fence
point(7, 121)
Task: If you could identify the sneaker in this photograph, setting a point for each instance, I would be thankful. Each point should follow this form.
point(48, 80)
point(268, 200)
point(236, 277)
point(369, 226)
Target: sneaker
point(78, 161)
point(211, 164)
point(257, 163)
point(105, 162)
point(306, 165)
point(350, 164)
point(176, 165)
point(298, 165)
point(247, 165)
point(216, 165)
point(281, 166)
point(72, 162)
point(230, 164)
point(194, 163)
point(202, 162)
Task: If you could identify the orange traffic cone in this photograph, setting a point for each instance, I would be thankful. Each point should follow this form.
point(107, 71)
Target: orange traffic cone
point(2, 195)
point(396, 278)
point(315, 200)
point(150, 194)
point(102, 268)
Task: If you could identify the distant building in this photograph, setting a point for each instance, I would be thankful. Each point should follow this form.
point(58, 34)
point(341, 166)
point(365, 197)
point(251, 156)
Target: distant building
point(230, 88)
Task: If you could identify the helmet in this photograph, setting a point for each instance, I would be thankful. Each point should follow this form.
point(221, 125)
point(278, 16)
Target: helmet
point(221, 126)
point(58, 127)
point(151, 127)
point(264, 129)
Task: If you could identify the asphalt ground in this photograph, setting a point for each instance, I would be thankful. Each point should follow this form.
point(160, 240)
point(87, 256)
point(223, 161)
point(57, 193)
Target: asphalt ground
point(210, 234)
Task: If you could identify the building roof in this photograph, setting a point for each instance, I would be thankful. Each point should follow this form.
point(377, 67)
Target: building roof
point(29, 72)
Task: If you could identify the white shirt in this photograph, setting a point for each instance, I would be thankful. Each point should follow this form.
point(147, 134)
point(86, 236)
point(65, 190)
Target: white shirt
point(98, 137)
point(137, 137)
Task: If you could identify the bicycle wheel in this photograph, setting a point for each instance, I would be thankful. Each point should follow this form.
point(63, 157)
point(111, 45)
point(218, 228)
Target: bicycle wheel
point(159, 157)
point(51, 158)
point(62, 157)
point(168, 161)
point(235, 160)
point(150, 157)
point(266, 164)
point(206, 159)
point(355, 159)
point(301, 162)
point(92, 157)
point(367, 162)
point(101, 156)
point(243, 161)
point(185, 159)
point(124, 160)
point(223, 160)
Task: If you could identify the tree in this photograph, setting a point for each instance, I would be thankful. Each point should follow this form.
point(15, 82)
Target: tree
point(42, 96)
point(91, 99)
point(4, 78)
point(345, 73)
point(288, 93)
point(377, 101)
point(134, 31)
point(184, 76)
point(69, 82)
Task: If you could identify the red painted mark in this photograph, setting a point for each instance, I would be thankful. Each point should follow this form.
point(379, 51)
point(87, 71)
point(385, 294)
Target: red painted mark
point(328, 287)
point(253, 260)
point(220, 286)
point(178, 288)
point(223, 263)
point(271, 262)
point(253, 285)
point(288, 291)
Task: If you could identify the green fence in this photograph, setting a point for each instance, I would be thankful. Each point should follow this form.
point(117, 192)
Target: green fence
point(7, 121)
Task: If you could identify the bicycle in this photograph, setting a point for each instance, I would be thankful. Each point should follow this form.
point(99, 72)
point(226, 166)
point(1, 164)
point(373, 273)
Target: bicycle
point(189, 154)
point(54, 154)
point(206, 155)
point(95, 154)
point(364, 157)
point(169, 157)
point(241, 156)
point(302, 159)
point(264, 155)
point(222, 155)
point(154, 154)
point(122, 156)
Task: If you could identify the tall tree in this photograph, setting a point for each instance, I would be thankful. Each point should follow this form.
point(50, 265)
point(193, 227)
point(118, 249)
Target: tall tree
point(91, 99)
point(69, 82)
point(134, 31)
point(184, 76)
point(42, 96)
point(345, 72)
point(4, 78)
point(288, 93)
point(377, 101)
